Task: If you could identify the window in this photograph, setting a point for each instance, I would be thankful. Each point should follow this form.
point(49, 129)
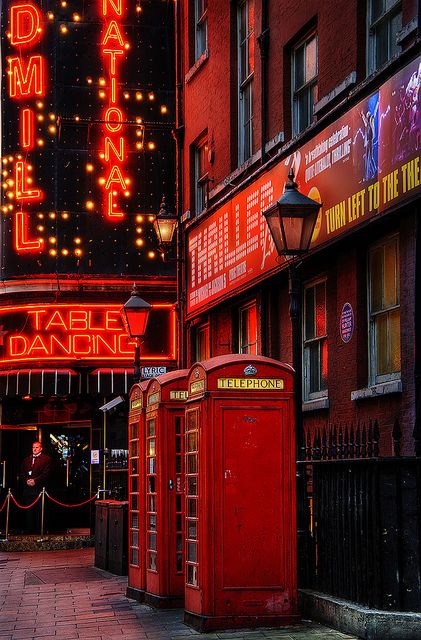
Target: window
point(201, 27)
point(245, 46)
point(248, 329)
point(315, 342)
point(384, 312)
point(384, 23)
point(304, 83)
point(202, 342)
point(200, 153)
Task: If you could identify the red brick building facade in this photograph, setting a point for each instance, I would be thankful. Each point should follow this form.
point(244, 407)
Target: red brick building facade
point(330, 90)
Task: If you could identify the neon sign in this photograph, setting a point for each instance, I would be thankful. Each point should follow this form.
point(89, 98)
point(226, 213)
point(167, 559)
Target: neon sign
point(26, 80)
point(84, 333)
point(87, 146)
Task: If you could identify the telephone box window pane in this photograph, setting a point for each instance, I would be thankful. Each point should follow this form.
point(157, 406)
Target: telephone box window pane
point(134, 557)
point(152, 503)
point(152, 465)
point(134, 448)
point(178, 522)
point(192, 575)
point(152, 561)
point(192, 441)
point(192, 530)
point(192, 464)
point(152, 541)
point(179, 563)
point(151, 427)
point(192, 508)
point(191, 551)
point(135, 521)
point(192, 420)
point(152, 521)
point(134, 502)
point(134, 465)
point(152, 447)
point(178, 499)
point(178, 464)
point(151, 484)
point(179, 542)
point(134, 539)
point(192, 486)
point(134, 484)
point(133, 430)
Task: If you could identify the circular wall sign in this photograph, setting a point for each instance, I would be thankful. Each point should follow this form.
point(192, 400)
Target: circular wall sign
point(346, 322)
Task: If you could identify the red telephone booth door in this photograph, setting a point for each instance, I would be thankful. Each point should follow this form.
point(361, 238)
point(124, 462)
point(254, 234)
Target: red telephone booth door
point(165, 489)
point(136, 528)
point(253, 559)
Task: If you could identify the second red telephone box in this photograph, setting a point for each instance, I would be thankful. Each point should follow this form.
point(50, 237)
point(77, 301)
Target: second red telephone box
point(240, 531)
point(164, 428)
point(136, 441)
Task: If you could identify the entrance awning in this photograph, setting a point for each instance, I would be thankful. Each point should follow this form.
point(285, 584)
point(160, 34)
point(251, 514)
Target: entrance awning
point(107, 382)
point(39, 382)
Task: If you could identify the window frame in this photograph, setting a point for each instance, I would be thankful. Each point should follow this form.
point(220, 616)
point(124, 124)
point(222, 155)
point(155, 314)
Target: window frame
point(200, 149)
point(373, 25)
point(375, 377)
point(306, 88)
point(245, 85)
point(245, 347)
point(201, 337)
point(200, 28)
point(307, 343)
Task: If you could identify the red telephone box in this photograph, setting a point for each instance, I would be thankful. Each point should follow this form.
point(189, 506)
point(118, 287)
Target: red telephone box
point(164, 428)
point(136, 440)
point(240, 529)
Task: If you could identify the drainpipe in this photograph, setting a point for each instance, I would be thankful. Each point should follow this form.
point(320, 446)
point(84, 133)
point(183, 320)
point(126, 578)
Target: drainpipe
point(263, 40)
point(179, 138)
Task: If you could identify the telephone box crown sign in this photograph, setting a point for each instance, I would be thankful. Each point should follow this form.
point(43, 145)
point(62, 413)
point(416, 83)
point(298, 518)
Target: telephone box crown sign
point(250, 370)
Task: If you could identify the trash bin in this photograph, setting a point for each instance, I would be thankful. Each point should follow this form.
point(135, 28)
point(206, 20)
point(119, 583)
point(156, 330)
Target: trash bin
point(117, 538)
point(111, 536)
point(101, 534)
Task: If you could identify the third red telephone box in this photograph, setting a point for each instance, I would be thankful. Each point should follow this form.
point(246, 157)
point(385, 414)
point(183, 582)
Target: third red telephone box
point(164, 429)
point(240, 530)
point(136, 441)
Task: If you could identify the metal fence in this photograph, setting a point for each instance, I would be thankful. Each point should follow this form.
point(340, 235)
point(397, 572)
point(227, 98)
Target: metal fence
point(359, 518)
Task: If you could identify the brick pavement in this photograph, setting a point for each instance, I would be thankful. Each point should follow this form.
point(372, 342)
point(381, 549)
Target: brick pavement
point(59, 595)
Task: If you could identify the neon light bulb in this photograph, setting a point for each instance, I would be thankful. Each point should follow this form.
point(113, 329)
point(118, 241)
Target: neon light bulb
point(151, 96)
point(40, 142)
point(50, 15)
point(139, 96)
point(10, 158)
point(77, 118)
point(164, 109)
point(139, 218)
point(89, 205)
point(65, 215)
point(102, 82)
point(78, 252)
point(89, 80)
point(151, 218)
point(151, 146)
point(40, 117)
point(52, 240)
point(52, 215)
point(40, 227)
point(89, 168)
point(151, 254)
point(63, 28)
point(52, 128)
point(126, 95)
point(77, 240)
point(40, 216)
point(139, 145)
point(139, 229)
point(76, 17)
point(53, 252)
point(65, 252)
point(139, 242)
point(101, 181)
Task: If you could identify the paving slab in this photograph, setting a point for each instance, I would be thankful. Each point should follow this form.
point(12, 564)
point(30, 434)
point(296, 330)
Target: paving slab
point(60, 595)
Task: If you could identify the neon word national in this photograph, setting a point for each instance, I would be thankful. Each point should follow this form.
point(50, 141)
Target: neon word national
point(114, 154)
point(26, 84)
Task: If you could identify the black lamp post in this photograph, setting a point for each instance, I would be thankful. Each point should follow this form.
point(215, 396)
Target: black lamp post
point(291, 221)
point(164, 224)
point(134, 314)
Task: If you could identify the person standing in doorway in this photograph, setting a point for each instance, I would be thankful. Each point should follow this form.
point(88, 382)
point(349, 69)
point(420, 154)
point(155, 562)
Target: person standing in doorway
point(35, 473)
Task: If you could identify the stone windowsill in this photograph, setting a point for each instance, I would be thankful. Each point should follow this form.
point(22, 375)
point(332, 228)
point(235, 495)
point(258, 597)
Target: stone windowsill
point(315, 405)
point(394, 386)
point(197, 65)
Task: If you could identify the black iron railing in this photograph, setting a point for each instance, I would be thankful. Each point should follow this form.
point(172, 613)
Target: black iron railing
point(360, 518)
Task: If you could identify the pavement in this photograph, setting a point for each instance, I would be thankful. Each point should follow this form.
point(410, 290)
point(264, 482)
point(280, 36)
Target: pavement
point(60, 595)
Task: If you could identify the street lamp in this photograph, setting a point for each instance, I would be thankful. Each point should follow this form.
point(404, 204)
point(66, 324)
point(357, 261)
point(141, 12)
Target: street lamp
point(134, 314)
point(291, 221)
point(164, 224)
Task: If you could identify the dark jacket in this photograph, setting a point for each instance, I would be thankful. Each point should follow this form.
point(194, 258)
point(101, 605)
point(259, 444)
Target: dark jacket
point(39, 470)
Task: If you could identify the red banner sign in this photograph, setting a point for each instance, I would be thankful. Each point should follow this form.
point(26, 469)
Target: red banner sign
point(358, 167)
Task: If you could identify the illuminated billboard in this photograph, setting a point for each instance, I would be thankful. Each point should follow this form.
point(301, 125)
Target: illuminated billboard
point(87, 145)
